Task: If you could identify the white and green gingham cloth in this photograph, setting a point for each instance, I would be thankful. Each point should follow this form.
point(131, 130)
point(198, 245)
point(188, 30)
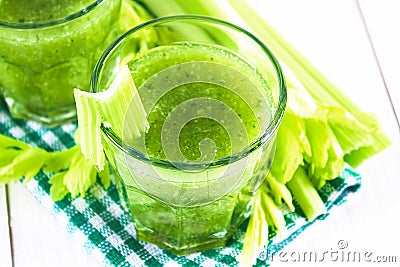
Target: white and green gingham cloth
point(106, 230)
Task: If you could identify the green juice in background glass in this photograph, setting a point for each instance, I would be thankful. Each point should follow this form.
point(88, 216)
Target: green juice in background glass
point(48, 48)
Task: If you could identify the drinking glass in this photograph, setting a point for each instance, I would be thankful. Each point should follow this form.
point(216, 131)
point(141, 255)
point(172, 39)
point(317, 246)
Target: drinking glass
point(48, 48)
point(204, 72)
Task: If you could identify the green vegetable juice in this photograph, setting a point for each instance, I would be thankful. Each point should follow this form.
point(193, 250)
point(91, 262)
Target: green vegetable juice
point(46, 53)
point(39, 10)
point(203, 104)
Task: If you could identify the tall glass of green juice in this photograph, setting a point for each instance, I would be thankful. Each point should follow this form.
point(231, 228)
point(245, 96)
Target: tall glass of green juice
point(214, 96)
point(48, 48)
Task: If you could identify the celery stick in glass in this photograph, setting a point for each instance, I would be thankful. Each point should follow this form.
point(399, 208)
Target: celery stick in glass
point(118, 107)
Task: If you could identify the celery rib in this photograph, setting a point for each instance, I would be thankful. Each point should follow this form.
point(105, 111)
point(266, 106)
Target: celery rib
point(118, 107)
point(306, 195)
point(256, 235)
point(315, 82)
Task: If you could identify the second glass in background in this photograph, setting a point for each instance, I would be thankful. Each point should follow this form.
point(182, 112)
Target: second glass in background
point(48, 48)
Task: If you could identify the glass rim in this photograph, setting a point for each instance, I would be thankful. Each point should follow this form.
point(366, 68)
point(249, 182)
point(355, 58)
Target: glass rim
point(263, 138)
point(50, 23)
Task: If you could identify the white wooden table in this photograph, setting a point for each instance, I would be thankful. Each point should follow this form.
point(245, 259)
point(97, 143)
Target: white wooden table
point(356, 43)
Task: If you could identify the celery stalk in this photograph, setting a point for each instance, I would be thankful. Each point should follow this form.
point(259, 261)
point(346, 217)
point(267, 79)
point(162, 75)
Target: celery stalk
point(316, 83)
point(203, 8)
point(132, 14)
point(279, 190)
point(162, 8)
point(265, 213)
point(306, 195)
point(171, 7)
point(118, 107)
point(256, 236)
point(272, 212)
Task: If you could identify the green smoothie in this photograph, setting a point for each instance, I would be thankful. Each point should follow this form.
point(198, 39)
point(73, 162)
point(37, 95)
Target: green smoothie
point(46, 53)
point(40, 10)
point(204, 103)
point(172, 67)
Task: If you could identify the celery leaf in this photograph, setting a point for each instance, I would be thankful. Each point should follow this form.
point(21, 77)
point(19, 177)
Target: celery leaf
point(69, 170)
point(104, 176)
point(80, 175)
point(291, 147)
point(58, 190)
point(60, 160)
point(27, 164)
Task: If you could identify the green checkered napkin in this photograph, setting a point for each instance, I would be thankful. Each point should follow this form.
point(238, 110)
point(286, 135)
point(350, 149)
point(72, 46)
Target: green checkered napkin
point(99, 222)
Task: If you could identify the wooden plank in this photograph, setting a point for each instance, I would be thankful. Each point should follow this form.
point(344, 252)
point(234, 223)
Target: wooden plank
point(39, 239)
point(382, 19)
point(5, 241)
